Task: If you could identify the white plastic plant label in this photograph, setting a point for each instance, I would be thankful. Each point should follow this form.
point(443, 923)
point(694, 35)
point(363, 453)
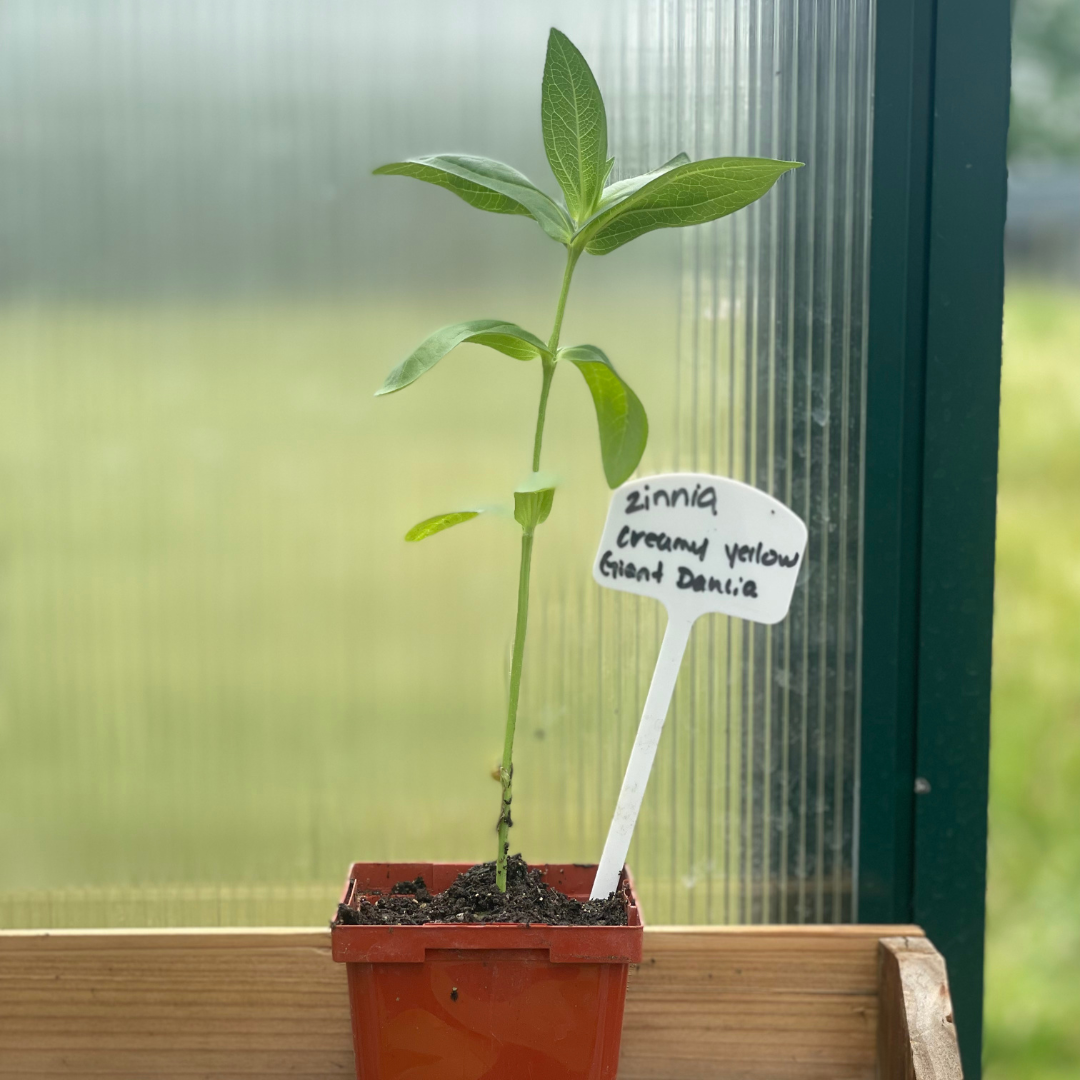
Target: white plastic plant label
point(698, 544)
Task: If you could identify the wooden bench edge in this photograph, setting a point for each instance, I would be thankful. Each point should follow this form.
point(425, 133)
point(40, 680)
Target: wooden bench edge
point(916, 1037)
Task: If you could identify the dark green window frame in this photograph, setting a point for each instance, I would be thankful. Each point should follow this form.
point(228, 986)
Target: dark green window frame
point(934, 360)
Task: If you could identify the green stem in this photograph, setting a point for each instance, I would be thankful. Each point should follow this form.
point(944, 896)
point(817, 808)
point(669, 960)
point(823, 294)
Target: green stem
point(541, 413)
point(572, 256)
point(506, 769)
point(506, 772)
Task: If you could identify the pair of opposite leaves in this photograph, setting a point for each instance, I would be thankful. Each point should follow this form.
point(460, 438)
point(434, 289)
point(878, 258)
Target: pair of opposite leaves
point(598, 218)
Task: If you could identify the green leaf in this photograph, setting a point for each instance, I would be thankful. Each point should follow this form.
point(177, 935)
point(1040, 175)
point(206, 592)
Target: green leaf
point(624, 427)
point(506, 337)
point(686, 195)
point(432, 525)
point(574, 123)
point(618, 191)
point(487, 185)
point(532, 506)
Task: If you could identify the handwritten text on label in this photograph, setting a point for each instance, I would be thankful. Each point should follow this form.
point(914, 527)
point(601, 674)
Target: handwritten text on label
point(700, 543)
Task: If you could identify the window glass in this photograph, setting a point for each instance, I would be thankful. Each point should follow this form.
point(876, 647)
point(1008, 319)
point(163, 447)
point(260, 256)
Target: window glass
point(222, 673)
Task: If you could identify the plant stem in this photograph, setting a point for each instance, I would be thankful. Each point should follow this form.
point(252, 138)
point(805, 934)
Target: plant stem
point(541, 413)
point(572, 256)
point(506, 769)
point(506, 772)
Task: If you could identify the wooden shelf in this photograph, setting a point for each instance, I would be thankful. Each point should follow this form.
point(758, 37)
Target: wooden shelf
point(760, 1003)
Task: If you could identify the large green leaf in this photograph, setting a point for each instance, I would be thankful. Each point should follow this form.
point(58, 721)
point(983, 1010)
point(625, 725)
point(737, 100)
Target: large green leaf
point(430, 526)
point(574, 124)
point(621, 189)
point(686, 195)
point(624, 427)
point(506, 337)
point(487, 185)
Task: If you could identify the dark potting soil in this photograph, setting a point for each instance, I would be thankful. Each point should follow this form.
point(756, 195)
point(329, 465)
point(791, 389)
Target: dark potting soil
point(473, 898)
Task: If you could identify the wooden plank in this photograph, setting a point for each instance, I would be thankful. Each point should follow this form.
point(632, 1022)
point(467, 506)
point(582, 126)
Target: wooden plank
point(173, 1004)
point(791, 1002)
point(763, 1002)
point(916, 1034)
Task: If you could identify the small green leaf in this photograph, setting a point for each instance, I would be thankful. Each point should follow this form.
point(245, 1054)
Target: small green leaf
point(622, 189)
point(624, 427)
point(686, 195)
point(487, 185)
point(506, 337)
point(532, 506)
point(574, 123)
point(433, 525)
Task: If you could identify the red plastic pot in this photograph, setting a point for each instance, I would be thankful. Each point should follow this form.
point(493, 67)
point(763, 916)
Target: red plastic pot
point(502, 1001)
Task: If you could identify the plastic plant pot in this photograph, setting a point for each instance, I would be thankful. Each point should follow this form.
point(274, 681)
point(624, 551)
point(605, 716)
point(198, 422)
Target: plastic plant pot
point(497, 1001)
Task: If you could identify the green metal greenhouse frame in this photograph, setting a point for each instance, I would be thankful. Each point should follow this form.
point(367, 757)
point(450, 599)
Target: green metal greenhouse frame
point(937, 278)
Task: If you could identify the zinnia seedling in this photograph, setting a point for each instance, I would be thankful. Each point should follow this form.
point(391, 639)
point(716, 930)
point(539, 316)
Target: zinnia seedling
point(597, 218)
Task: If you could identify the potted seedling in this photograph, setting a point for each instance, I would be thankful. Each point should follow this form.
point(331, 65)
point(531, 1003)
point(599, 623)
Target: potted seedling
point(505, 970)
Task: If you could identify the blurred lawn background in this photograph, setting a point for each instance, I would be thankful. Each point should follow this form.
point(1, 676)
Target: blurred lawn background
point(222, 665)
point(1033, 930)
point(1032, 1029)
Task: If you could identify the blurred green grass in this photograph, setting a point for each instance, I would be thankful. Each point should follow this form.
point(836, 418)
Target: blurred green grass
point(1033, 936)
point(219, 663)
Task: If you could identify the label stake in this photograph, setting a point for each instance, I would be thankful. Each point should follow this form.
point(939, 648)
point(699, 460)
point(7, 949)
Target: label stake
point(697, 543)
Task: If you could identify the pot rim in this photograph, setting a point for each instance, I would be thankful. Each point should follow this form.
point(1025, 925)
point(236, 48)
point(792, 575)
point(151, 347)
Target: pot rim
point(409, 944)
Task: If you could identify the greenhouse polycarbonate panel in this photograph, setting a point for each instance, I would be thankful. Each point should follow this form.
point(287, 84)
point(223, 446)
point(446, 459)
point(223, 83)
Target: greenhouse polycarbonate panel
point(750, 815)
point(219, 664)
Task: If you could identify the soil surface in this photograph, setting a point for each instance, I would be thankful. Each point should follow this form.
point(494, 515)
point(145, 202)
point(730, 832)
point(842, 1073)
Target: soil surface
point(473, 898)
